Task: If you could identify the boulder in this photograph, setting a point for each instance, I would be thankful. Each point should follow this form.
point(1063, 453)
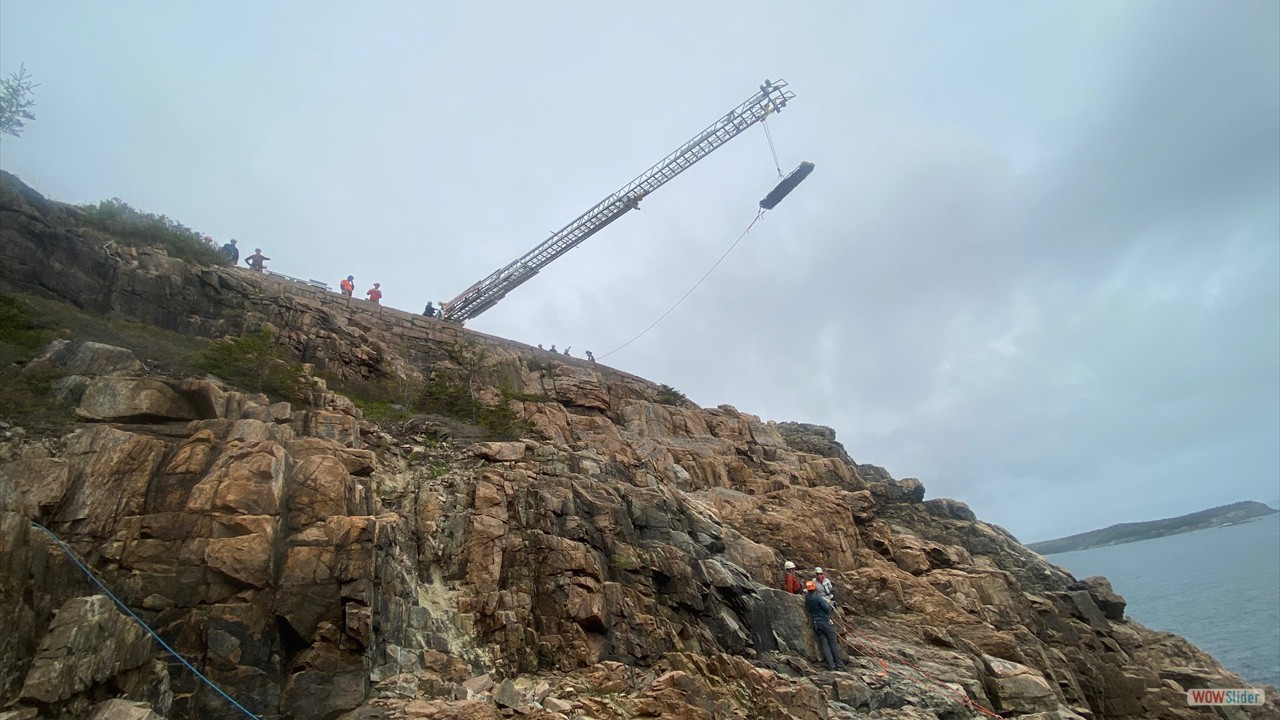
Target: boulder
point(498, 451)
point(88, 642)
point(948, 508)
point(119, 399)
point(84, 358)
point(1017, 688)
point(815, 439)
point(1108, 601)
point(907, 490)
point(479, 684)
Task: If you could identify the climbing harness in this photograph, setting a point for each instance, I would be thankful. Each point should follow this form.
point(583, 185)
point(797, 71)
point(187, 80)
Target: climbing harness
point(868, 648)
point(120, 604)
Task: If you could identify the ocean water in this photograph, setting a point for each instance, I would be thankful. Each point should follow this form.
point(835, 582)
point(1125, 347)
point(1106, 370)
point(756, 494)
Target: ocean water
point(1219, 588)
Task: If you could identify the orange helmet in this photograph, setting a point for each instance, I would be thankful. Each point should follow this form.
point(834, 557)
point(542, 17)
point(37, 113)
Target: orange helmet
point(811, 586)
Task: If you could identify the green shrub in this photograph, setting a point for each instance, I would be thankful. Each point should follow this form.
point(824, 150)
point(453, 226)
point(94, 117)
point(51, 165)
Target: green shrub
point(130, 226)
point(501, 423)
point(668, 395)
point(378, 411)
point(27, 395)
point(253, 362)
point(396, 399)
point(21, 333)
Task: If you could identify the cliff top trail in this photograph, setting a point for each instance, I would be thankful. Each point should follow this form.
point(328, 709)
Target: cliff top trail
point(339, 511)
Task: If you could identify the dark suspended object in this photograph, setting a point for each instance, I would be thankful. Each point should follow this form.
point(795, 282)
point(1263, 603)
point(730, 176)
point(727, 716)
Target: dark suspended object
point(788, 184)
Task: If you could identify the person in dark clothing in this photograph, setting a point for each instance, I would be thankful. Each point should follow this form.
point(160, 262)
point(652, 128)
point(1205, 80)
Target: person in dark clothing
point(590, 358)
point(257, 261)
point(430, 311)
point(231, 252)
point(824, 629)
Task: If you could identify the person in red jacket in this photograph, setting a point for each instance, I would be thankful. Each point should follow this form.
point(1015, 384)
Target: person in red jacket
point(348, 285)
point(793, 582)
point(375, 295)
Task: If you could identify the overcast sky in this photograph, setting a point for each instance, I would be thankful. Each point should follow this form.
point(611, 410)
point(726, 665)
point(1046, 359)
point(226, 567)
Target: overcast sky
point(1038, 265)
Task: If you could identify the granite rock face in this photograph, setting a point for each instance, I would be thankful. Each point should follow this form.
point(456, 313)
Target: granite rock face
point(622, 560)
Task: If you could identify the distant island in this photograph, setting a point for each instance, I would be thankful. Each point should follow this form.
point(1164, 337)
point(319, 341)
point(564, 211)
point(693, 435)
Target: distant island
point(1133, 532)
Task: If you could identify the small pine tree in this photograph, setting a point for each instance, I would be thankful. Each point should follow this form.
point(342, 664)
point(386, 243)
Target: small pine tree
point(16, 102)
point(668, 395)
point(254, 362)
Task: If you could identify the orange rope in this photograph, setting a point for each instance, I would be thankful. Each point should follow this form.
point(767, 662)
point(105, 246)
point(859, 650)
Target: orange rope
point(962, 697)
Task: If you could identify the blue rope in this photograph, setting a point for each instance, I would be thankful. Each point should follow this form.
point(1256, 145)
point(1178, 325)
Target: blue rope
point(85, 569)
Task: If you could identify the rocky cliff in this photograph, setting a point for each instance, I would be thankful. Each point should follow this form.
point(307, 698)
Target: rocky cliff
point(621, 559)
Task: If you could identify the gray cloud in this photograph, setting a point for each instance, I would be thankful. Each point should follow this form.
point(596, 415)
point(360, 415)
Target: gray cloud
point(1036, 266)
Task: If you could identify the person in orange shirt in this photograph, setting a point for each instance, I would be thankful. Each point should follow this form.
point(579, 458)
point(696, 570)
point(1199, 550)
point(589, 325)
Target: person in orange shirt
point(375, 295)
point(348, 286)
point(793, 582)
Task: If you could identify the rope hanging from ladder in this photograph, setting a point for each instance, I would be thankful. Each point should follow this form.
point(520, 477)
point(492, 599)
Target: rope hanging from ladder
point(770, 201)
point(764, 122)
point(750, 225)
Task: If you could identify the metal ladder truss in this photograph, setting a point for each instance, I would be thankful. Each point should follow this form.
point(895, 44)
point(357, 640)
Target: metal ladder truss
point(771, 97)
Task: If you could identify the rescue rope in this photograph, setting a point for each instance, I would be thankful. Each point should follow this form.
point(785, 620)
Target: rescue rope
point(871, 645)
point(120, 604)
point(695, 287)
point(769, 136)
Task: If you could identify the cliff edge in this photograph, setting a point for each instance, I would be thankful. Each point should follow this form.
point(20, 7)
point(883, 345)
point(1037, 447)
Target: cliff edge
point(620, 558)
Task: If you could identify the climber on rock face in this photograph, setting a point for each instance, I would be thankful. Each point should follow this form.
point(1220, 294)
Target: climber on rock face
point(793, 582)
point(824, 629)
point(824, 585)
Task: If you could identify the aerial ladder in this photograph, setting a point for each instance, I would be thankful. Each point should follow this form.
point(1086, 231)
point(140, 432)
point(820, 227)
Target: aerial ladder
point(771, 98)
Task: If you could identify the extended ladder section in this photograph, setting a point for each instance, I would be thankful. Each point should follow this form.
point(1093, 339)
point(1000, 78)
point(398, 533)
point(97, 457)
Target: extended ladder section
point(771, 97)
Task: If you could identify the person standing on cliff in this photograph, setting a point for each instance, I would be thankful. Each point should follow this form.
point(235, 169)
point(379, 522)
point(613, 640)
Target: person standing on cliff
point(348, 286)
point(231, 252)
point(824, 585)
point(257, 262)
point(820, 611)
point(592, 358)
point(374, 294)
point(793, 582)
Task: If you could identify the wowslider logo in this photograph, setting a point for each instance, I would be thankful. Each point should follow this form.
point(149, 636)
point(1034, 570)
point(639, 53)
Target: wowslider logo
point(1244, 696)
